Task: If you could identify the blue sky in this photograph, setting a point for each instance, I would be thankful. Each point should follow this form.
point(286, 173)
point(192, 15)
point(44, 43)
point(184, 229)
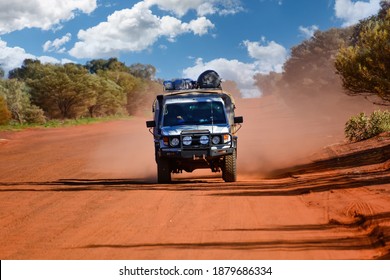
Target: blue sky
point(181, 38)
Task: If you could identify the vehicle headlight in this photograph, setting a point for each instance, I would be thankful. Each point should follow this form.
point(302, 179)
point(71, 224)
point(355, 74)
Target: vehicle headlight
point(204, 140)
point(215, 140)
point(187, 140)
point(174, 142)
point(226, 138)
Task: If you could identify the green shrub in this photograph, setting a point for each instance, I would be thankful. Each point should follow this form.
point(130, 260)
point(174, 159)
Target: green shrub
point(379, 122)
point(356, 128)
point(363, 127)
point(34, 114)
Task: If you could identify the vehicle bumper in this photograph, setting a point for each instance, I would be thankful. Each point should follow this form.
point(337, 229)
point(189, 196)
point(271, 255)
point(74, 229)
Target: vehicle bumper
point(213, 152)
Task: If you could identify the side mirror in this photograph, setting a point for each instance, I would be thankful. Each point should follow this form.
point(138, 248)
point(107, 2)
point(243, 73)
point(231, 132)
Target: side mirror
point(238, 119)
point(150, 124)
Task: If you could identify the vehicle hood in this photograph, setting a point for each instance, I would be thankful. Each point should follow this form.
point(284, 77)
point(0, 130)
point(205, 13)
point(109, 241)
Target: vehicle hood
point(177, 130)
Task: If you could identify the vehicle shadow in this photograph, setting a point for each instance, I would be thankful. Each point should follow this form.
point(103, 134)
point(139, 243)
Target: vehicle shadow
point(78, 184)
point(212, 187)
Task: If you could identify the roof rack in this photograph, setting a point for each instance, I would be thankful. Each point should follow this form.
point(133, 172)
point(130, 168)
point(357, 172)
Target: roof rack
point(207, 80)
point(179, 84)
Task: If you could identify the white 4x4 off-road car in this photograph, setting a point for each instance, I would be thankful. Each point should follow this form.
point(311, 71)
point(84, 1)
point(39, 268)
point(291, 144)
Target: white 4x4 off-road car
point(195, 127)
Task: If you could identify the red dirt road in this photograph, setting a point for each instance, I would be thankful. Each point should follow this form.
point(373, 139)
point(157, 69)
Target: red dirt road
point(89, 192)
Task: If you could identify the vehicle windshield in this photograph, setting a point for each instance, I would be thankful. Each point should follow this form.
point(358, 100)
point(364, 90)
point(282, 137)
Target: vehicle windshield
point(194, 113)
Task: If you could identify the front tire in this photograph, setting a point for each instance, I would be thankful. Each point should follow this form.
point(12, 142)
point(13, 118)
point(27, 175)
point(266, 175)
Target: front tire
point(229, 170)
point(163, 171)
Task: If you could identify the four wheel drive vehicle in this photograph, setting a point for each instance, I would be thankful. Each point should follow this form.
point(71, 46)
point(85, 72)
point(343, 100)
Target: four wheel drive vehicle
point(195, 128)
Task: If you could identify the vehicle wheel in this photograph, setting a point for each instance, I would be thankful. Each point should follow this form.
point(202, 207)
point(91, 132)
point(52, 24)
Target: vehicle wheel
point(163, 171)
point(229, 172)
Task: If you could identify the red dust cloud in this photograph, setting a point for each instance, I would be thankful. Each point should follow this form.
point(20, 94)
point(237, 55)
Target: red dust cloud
point(285, 128)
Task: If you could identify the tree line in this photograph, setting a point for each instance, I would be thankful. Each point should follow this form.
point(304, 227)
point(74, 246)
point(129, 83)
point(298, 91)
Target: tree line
point(36, 92)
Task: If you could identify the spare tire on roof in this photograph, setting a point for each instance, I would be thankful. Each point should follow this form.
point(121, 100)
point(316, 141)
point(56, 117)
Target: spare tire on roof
point(209, 79)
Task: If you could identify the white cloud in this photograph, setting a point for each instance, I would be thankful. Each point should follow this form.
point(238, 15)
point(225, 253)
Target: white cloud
point(199, 26)
point(241, 73)
point(65, 60)
point(350, 12)
point(269, 57)
point(44, 14)
point(13, 57)
point(134, 29)
point(202, 7)
point(137, 28)
point(308, 31)
point(56, 45)
point(48, 59)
